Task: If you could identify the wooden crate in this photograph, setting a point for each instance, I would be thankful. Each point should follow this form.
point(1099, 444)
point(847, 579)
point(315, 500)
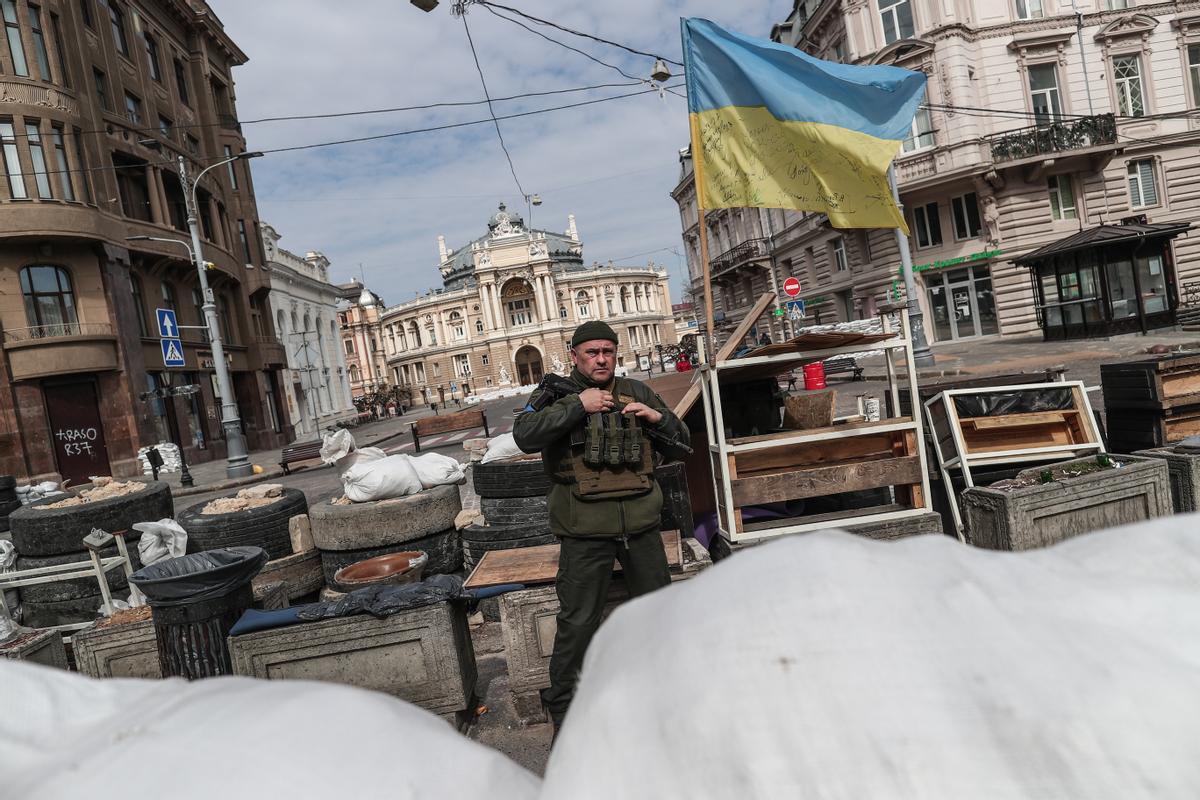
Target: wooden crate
point(1130, 430)
point(862, 458)
point(1152, 384)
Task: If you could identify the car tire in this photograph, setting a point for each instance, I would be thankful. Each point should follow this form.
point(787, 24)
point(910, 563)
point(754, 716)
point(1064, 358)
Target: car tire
point(520, 478)
point(515, 510)
point(76, 588)
point(265, 526)
point(488, 534)
point(57, 531)
point(444, 549)
point(384, 523)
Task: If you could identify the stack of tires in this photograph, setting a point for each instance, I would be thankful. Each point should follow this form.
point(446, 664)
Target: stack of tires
point(512, 498)
point(345, 534)
point(8, 499)
point(45, 537)
point(264, 526)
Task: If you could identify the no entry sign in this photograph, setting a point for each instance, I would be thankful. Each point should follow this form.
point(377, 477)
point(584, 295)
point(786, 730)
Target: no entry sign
point(791, 287)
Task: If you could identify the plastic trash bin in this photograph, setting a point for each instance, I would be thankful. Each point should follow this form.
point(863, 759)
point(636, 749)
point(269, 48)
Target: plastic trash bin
point(194, 601)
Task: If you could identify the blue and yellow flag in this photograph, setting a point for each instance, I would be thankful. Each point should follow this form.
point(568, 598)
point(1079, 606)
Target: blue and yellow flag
point(777, 128)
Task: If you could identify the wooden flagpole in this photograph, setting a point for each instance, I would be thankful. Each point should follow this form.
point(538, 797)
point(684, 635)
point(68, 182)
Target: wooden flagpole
point(698, 179)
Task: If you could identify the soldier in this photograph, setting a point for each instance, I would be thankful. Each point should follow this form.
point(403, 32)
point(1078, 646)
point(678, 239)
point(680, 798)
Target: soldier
point(604, 502)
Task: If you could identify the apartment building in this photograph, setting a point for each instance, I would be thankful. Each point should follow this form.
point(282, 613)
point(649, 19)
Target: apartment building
point(1043, 118)
point(316, 382)
point(98, 100)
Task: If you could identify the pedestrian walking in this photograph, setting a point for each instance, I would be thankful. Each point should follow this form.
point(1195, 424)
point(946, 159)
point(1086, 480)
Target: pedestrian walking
point(604, 502)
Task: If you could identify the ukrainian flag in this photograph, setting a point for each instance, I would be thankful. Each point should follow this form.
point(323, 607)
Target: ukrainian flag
point(777, 128)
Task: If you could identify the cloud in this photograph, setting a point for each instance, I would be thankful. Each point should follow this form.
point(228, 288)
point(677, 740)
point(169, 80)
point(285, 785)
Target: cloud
point(384, 203)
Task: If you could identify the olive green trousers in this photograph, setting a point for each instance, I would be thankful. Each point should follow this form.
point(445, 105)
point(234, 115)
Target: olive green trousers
point(585, 572)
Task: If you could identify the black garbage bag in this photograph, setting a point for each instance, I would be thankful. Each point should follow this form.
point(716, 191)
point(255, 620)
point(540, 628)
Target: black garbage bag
point(383, 601)
point(1022, 401)
point(199, 576)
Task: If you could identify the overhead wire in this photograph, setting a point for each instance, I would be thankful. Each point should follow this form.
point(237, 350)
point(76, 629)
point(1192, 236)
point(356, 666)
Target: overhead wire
point(581, 34)
point(492, 111)
point(552, 40)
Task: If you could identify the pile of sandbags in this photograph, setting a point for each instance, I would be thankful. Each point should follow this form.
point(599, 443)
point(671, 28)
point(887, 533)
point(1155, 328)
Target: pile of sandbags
point(170, 457)
point(833, 666)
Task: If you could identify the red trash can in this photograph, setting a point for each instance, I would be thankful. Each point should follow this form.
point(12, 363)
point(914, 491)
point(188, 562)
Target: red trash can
point(814, 375)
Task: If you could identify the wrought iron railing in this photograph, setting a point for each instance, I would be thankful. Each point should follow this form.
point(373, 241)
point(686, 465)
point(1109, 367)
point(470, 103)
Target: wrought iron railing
point(57, 331)
point(1055, 137)
point(736, 256)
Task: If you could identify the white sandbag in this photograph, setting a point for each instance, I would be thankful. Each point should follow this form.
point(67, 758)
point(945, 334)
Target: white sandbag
point(435, 469)
point(338, 448)
point(833, 666)
point(500, 447)
point(8, 563)
point(381, 479)
point(160, 540)
point(65, 737)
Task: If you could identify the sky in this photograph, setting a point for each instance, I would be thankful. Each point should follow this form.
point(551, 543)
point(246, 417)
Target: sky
point(383, 204)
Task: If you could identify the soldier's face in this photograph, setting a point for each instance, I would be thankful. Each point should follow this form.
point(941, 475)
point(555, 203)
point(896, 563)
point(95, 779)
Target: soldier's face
point(595, 359)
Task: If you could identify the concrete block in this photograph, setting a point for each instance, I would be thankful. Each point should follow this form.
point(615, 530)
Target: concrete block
point(301, 572)
point(528, 623)
point(300, 530)
point(118, 651)
point(270, 595)
point(1046, 513)
point(423, 656)
point(37, 647)
point(1184, 471)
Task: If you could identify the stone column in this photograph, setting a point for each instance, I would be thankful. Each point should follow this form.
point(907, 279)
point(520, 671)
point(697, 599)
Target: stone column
point(551, 300)
point(156, 208)
point(497, 308)
point(486, 304)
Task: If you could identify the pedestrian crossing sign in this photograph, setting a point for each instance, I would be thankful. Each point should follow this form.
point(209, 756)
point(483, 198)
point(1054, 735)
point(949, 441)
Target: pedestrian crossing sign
point(172, 352)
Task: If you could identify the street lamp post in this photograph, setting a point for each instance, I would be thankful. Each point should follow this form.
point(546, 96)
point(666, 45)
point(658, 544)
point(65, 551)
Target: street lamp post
point(237, 460)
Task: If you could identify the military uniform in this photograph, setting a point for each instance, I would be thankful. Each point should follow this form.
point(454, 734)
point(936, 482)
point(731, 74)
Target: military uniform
point(604, 505)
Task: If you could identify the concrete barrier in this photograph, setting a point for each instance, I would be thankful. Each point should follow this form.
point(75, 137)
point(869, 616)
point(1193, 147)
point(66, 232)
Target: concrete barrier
point(39, 647)
point(1185, 477)
point(423, 655)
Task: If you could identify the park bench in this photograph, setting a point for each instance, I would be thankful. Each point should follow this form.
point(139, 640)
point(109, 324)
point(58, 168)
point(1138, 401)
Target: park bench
point(447, 423)
point(300, 451)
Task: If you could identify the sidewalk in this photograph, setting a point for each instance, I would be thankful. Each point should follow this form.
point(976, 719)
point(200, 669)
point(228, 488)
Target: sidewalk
point(1082, 357)
point(210, 475)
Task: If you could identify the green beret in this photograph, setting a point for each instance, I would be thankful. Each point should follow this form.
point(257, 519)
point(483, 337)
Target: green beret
point(589, 331)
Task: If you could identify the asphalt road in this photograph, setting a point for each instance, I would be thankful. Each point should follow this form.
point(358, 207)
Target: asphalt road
point(319, 482)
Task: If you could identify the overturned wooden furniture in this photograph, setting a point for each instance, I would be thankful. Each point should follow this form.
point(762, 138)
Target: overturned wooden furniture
point(885, 459)
point(447, 423)
point(297, 452)
point(1008, 425)
point(1151, 403)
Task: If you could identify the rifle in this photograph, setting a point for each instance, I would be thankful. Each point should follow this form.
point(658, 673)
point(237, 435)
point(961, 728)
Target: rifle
point(555, 387)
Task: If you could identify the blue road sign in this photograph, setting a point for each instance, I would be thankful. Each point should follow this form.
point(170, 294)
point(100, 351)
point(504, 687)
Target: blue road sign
point(172, 350)
point(796, 306)
point(168, 328)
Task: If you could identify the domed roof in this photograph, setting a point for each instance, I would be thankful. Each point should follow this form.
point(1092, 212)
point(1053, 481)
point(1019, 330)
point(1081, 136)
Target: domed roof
point(504, 222)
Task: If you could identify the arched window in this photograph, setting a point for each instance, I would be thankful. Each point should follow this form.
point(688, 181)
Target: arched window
point(624, 299)
point(457, 325)
point(139, 304)
point(414, 333)
point(354, 376)
point(479, 326)
point(307, 324)
point(562, 311)
point(49, 301)
point(295, 323)
point(582, 304)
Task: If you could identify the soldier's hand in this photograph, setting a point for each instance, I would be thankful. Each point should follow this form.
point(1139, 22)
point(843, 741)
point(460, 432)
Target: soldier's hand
point(643, 411)
point(596, 400)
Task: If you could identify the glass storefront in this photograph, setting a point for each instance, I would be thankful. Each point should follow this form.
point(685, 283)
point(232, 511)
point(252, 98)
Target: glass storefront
point(961, 303)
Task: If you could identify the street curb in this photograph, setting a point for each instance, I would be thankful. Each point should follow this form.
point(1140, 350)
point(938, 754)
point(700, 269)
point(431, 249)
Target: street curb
point(235, 483)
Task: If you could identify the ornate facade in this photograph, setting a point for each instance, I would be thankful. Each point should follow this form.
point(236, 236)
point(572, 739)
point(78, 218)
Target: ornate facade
point(1039, 123)
point(510, 301)
point(316, 382)
point(98, 102)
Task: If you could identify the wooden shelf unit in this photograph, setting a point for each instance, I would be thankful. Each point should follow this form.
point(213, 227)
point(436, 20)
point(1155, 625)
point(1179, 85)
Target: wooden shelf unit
point(1008, 439)
point(802, 464)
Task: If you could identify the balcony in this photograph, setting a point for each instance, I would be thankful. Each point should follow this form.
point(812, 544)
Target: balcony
point(229, 122)
point(748, 252)
point(1053, 139)
point(61, 349)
